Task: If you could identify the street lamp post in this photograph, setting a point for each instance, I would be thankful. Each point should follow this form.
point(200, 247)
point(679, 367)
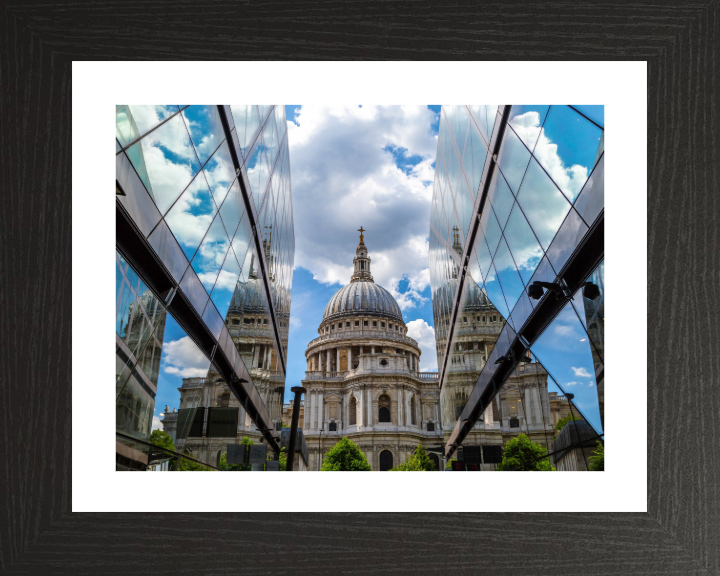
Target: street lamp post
point(320, 448)
point(299, 391)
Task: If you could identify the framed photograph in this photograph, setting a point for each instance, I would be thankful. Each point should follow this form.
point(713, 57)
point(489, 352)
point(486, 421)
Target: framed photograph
point(369, 280)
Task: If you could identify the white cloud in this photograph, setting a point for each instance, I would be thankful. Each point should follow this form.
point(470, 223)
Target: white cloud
point(295, 322)
point(184, 359)
point(591, 384)
point(343, 176)
point(156, 423)
point(573, 383)
point(424, 335)
point(226, 280)
point(563, 330)
point(570, 179)
point(581, 372)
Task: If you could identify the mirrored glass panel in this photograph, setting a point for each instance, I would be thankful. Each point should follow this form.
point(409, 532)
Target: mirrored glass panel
point(567, 149)
point(527, 232)
point(166, 162)
point(206, 241)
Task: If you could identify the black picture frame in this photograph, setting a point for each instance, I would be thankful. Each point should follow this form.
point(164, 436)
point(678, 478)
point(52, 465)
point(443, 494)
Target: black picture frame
point(680, 532)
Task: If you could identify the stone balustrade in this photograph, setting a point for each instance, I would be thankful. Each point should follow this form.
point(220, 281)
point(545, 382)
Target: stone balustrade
point(362, 334)
point(345, 374)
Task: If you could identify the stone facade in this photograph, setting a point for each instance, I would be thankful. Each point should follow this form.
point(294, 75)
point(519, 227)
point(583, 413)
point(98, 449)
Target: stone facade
point(364, 382)
point(363, 377)
point(247, 323)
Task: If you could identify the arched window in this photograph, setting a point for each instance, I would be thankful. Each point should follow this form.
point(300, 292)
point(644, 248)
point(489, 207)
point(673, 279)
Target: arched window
point(413, 420)
point(386, 460)
point(384, 408)
point(436, 461)
point(353, 411)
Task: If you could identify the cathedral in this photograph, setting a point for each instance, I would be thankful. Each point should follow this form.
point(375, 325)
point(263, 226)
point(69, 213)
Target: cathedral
point(364, 382)
point(363, 377)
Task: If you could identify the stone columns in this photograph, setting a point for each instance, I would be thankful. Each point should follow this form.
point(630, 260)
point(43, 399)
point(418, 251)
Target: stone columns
point(401, 414)
point(269, 364)
point(528, 417)
point(369, 407)
point(309, 403)
point(361, 399)
point(327, 363)
point(406, 407)
point(372, 349)
point(257, 355)
point(321, 415)
point(337, 359)
point(349, 357)
point(538, 407)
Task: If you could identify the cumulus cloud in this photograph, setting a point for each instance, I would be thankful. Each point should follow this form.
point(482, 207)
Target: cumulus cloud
point(156, 423)
point(582, 372)
point(184, 359)
point(563, 330)
point(424, 335)
point(573, 383)
point(570, 179)
point(344, 165)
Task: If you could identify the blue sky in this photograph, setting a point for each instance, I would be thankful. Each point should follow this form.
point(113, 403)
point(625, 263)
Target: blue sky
point(350, 166)
point(374, 166)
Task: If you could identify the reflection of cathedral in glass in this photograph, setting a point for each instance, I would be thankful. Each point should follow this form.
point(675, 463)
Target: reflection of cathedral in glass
point(205, 245)
point(516, 256)
point(247, 322)
point(523, 406)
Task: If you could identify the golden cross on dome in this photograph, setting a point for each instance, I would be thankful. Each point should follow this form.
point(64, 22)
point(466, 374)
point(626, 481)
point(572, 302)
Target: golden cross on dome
point(361, 230)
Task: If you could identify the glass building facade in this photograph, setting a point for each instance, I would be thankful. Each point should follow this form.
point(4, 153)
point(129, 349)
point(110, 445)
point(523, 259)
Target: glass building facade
point(204, 258)
point(517, 276)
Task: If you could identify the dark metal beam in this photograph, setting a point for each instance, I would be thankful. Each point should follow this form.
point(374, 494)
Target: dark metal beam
point(488, 171)
point(585, 258)
point(250, 209)
point(136, 250)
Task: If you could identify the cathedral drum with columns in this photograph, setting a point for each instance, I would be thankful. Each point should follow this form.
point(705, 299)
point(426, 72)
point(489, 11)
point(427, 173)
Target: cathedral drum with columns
point(363, 377)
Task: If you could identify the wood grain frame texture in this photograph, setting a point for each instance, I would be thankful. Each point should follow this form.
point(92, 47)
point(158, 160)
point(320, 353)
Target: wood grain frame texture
point(680, 534)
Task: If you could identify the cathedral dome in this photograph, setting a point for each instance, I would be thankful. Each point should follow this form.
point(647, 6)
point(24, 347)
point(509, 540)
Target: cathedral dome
point(359, 298)
point(362, 295)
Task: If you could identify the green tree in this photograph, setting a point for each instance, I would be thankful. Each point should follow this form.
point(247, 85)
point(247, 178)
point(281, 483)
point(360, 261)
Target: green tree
point(186, 465)
point(282, 458)
point(162, 439)
point(344, 456)
point(523, 454)
point(561, 423)
point(597, 460)
point(419, 461)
